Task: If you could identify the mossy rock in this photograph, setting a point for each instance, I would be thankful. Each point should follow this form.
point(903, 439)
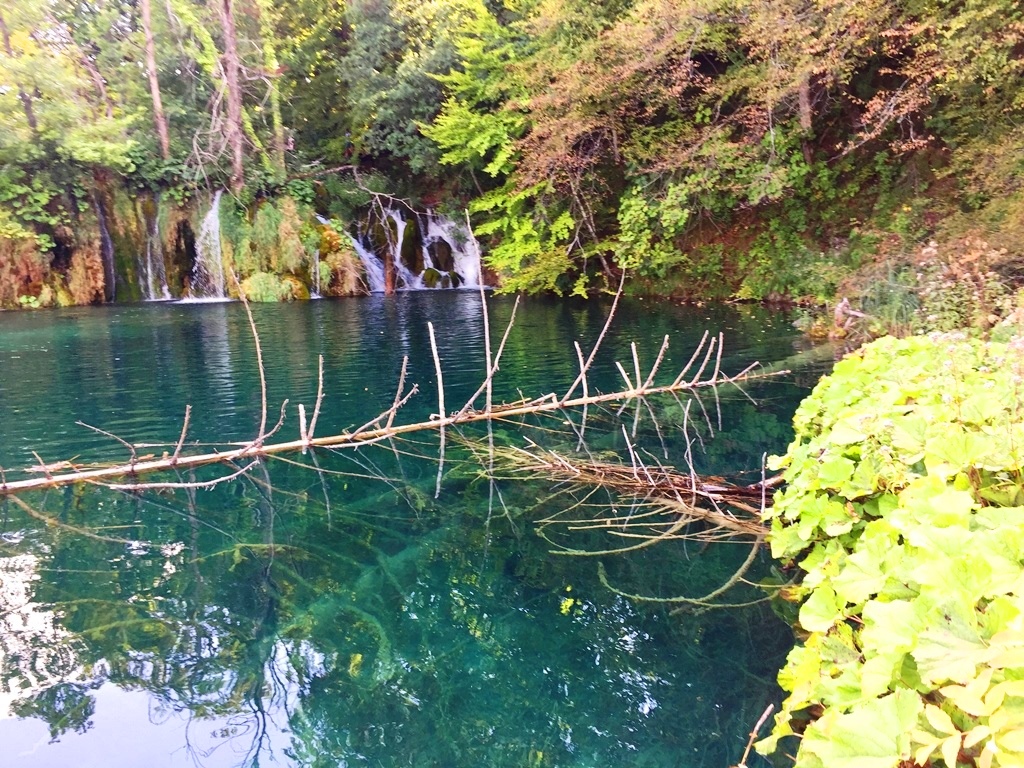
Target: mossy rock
point(441, 255)
point(431, 277)
point(265, 287)
point(412, 246)
point(297, 290)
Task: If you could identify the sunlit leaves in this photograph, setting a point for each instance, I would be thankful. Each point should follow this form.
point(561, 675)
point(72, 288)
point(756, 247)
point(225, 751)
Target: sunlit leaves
point(926, 573)
point(876, 735)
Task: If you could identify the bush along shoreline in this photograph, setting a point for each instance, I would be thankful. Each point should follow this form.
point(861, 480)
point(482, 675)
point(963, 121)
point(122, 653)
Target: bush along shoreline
point(904, 515)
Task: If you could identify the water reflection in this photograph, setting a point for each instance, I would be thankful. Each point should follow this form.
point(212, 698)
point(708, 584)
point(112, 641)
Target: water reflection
point(244, 624)
point(330, 619)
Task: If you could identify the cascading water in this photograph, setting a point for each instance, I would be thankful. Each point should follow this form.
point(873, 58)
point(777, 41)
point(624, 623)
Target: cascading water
point(208, 273)
point(152, 269)
point(465, 251)
point(106, 252)
point(407, 279)
point(372, 266)
point(447, 252)
point(315, 293)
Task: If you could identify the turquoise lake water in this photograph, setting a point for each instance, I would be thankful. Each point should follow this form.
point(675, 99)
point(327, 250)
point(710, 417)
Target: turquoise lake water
point(351, 616)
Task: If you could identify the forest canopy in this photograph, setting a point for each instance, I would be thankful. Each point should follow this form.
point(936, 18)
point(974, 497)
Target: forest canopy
point(746, 148)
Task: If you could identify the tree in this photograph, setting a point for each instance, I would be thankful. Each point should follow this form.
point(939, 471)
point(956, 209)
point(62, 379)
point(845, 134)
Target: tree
point(154, 83)
point(232, 93)
point(26, 99)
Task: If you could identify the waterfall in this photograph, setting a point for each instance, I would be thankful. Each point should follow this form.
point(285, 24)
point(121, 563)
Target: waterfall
point(208, 273)
point(315, 294)
point(316, 261)
point(450, 256)
point(152, 271)
point(371, 265)
point(407, 279)
point(465, 251)
point(106, 252)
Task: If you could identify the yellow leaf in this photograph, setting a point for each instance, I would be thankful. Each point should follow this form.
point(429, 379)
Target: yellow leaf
point(939, 720)
point(1013, 657)
point(985, 761)
point(968, 698)
point(950, 749)
point(994, 698)
point(1012, 740)
point(976, 734)
point(922, 755)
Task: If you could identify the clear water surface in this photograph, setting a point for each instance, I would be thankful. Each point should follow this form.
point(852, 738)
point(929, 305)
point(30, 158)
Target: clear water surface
point(350, 617)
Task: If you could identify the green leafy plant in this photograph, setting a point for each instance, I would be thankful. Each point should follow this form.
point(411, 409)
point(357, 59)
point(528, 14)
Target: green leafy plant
point(904, 511)
point(265, 287)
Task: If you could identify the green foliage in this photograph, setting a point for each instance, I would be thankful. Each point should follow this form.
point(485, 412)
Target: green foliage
point(279, 240)
point(532, 246)
point(903, 505)
point(471, 128)
point(391, 71)
point(266, 224)
point(762, 149)
point(265, 287)
point(890, 299)
point(29, 206)
point(648, 229)
point(958, 289)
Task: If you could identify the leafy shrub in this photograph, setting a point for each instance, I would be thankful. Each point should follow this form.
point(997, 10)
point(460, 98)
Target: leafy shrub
point(961, 290)
point(263, 286)
point(905, 512)
point(890, 299)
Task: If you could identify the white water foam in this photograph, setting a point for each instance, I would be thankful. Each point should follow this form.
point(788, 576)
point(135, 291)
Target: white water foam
point(208, 273)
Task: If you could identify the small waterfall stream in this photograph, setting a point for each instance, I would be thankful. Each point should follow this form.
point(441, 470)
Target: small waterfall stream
point(152, 271)
point(465, 250)
point(372, 266)
point(208, 273)
point(106, 252)
point(315, 293)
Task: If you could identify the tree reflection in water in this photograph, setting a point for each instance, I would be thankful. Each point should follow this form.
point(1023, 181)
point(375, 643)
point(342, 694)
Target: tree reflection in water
point(387, 629)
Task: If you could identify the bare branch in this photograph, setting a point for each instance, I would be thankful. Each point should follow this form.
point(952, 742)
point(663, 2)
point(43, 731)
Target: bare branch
point(184, 431)
point(319, 397)
point(600, 338)
point(441, 415)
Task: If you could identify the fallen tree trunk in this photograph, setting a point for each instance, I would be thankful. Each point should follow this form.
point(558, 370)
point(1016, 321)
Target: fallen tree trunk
point(383, 425)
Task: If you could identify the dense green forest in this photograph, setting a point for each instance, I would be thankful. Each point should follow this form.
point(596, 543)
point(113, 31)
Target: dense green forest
point(869, 154)
point(714, 148)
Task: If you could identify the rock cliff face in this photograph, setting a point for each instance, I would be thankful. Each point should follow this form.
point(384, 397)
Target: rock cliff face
point(128, 246)
point(123, 246)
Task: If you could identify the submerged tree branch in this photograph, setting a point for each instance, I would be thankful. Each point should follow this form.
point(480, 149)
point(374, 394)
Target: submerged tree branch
point(383, 425)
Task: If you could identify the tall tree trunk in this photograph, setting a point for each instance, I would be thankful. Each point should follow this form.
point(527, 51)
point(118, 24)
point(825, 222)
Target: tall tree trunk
point(234, 132)
point(272, 67)
point(26, 99)
point(154, 84)
point(101, 86)
point(804, 100)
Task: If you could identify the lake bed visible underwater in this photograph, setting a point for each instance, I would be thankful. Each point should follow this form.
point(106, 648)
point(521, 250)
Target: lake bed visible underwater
point(328, 608)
